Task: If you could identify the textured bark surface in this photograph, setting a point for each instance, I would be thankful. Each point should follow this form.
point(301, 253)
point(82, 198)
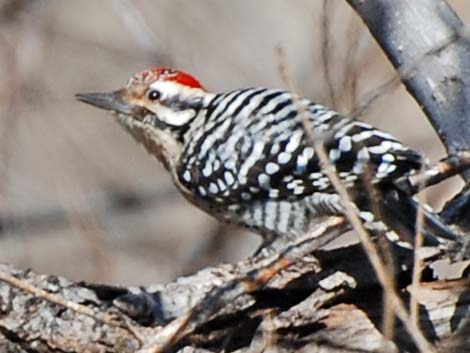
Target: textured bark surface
point(329, 302)
point(332, 304)
point(427, 40)
point(429, 45)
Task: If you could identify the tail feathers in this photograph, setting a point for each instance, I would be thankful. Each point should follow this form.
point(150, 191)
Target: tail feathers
point(399, 212)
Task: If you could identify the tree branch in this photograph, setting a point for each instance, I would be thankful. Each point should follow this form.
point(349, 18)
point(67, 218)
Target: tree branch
point(302, 307)
point(330, 301)
point(427, 40)
point(428, 44)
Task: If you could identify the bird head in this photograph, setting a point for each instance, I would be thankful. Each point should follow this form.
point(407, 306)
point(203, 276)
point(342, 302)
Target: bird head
point(156, 106)
point(160, 96)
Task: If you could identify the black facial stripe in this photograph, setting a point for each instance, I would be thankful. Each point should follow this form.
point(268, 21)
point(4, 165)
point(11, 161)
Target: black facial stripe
point(176, 104)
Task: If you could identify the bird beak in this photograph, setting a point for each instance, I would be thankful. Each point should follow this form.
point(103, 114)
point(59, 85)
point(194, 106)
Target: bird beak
point(110, 101)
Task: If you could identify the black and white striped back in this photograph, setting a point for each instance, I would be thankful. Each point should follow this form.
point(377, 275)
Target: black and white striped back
point(250, 144)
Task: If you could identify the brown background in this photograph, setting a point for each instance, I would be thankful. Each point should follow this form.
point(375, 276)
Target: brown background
point(59, 159)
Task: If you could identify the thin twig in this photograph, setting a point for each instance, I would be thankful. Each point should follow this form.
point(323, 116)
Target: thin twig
point(371, 251)
point(444, 169)
point(326, 50)
point(351, 73)
point(417, 261)
point(382, 274)
point(257, 278)
point(388, 320)
point(75, 307)
point(401, 74)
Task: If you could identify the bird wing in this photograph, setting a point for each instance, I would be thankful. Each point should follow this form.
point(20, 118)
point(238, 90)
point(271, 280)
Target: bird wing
point(256, 147)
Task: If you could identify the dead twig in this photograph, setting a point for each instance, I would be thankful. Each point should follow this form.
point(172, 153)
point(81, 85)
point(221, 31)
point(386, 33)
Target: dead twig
point(401, 74)
point(257, 278)
point(326, 50)
point(75, 307)
point(417, 261)
point(382, 273)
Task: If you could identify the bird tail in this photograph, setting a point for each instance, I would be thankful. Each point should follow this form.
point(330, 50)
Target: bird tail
point(399, 212)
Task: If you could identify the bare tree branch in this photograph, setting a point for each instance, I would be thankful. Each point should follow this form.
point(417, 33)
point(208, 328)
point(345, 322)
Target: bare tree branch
point(428, 45)
point(330, 301)
point(304, 307)
point(427, 36)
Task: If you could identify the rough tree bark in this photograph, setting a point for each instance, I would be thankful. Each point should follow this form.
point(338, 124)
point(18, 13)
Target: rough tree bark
point(329, 302)
point(333, 305)
point(427, 40)
point(429, 43)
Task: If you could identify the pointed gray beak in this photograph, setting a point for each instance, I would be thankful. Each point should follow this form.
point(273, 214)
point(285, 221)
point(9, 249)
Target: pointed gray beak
point(109, 101)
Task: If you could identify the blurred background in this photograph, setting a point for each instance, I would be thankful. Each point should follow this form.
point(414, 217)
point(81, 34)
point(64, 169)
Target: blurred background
point(79, 198)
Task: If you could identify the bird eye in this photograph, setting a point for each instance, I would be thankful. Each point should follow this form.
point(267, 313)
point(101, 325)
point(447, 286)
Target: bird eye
point(153, 95)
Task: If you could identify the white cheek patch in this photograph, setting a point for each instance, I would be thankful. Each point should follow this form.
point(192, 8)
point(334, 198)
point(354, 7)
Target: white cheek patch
point(175, 118)
point(169, 90)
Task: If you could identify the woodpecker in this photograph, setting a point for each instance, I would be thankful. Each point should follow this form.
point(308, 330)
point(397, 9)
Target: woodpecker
point(244, 156)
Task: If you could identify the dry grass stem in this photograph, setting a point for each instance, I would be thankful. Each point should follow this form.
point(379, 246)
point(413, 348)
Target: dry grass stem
point(253, 280)
point(385, 279)
point(352, 72)
point(401, 74)
point(382, 274)
point(56, 299)
point(417, 261)
point(326, 50)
